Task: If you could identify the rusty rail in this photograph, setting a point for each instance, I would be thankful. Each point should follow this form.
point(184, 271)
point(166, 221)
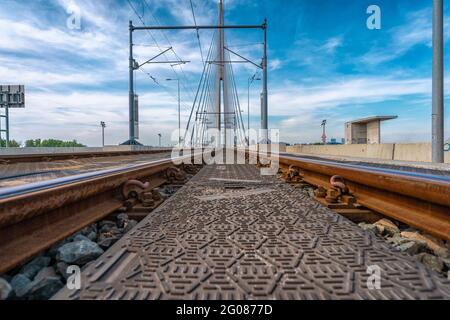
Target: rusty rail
point(419, 200)
point(45, 157)
point(33, 217)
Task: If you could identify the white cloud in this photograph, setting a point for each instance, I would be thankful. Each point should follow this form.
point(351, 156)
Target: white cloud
point(292, 99)
point(332, 44)
point(274, 64)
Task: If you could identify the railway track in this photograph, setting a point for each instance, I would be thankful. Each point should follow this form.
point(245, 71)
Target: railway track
point(48, 157)
point(418, 199)
point(35, 216)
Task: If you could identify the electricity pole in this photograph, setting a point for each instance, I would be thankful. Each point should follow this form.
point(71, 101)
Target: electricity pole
point(264, 113)
point(132, 99)
point(324, 136)
point(103, 124)
point(437, 140)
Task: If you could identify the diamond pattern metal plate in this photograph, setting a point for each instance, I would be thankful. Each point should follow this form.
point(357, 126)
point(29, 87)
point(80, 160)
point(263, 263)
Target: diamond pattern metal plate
point(230, 233)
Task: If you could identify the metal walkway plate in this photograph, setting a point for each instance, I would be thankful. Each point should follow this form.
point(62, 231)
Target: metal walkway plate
point(230, 233)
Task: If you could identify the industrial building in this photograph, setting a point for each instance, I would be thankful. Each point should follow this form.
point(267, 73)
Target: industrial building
point(365, 131)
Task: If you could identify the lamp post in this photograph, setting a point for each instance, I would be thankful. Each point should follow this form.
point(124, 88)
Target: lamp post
point(250, 81)
point(159, 136)
point(103, 124)
point(324, 136)
point(179, 109)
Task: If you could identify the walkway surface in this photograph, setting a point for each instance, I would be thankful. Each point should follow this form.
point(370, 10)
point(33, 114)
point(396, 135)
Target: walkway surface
point(231, 233)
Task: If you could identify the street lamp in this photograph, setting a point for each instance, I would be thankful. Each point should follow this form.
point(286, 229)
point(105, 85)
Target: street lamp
point(159, 135)
point(250, 81)
point(103, 124)
point(179, 110)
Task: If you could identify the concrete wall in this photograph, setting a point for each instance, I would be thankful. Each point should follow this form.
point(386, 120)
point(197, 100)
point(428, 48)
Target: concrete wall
point(19, 151)
point(373, 132)
point(419, 152)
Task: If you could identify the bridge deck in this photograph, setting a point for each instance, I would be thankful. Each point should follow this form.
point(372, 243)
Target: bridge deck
point(230, 233)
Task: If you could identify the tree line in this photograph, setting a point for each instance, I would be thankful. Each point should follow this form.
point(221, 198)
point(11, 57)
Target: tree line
point(39, 143)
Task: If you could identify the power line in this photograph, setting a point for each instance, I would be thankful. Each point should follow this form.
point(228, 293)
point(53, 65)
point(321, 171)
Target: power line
point(173, 50)
point(162, 86)
point(156, 42)
point(198, 34)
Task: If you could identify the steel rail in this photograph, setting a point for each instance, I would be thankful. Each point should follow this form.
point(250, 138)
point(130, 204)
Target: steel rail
point(33, 217)
point(419, 200)
point(38, 157)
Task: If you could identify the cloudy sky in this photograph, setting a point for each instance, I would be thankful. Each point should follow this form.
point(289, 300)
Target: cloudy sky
point(324, 64)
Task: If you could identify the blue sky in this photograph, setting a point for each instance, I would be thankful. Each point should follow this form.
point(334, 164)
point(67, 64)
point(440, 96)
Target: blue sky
point(324, 64)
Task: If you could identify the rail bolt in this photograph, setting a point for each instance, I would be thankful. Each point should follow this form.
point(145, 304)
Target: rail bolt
point(156, 195)
point(338, 182)
point(320, 192)
point(333, 195)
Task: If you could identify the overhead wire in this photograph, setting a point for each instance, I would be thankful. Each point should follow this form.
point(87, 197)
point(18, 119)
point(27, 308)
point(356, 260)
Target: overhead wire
point(198, 33)
point(157, 44)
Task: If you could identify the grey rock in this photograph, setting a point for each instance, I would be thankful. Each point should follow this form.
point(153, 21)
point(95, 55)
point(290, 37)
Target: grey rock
point(6, 290)
point(442, 252)
point(89, 229)
point(92, 236)
point(387, 227)
point(85, 232)
point(44, 288)
point(115, 231)
point(105, 243)
point(412, 247)
point(397, 240)
point(79, 253)
point(106, 226)
point(122, 219)
point(431, 261)
point(80, 237)
point(368, 227)
point(19, 284)
point(61, 267)
point(54, 249)
point(31, 269)
point(130, 225)
point(47, 272)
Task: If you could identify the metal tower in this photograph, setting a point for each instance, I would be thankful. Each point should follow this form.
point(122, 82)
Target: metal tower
point(222, 105)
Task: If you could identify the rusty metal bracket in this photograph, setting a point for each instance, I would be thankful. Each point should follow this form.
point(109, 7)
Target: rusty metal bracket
point(291, 175)
point(133, 189)
point(175, 174)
